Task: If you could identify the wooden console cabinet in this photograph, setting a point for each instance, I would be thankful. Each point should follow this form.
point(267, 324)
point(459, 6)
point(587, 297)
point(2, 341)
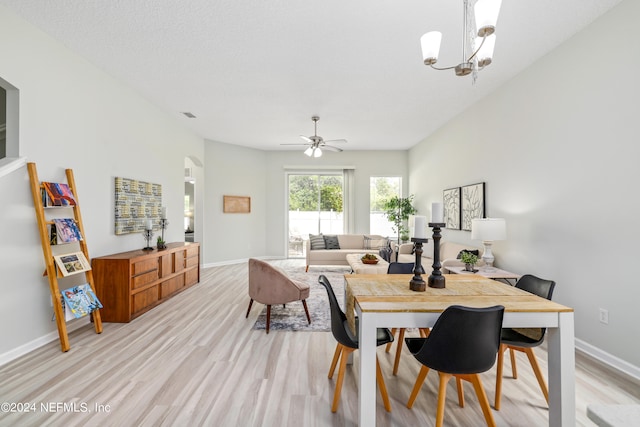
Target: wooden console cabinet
point(131, 283)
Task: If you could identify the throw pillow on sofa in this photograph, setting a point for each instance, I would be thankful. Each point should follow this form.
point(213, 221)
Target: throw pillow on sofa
point(375, 242)
point(317, 241)
point(331, 242)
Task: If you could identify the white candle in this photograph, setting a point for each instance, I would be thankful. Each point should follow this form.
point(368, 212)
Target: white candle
point(164, 213)
point(149, 225)
point(437, 212)
point(420, 227)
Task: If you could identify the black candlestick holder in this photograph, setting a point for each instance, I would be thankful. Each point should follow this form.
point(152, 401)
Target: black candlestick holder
point(147, 234)
point(436, 279)
point(163, 224)
point(417, 284)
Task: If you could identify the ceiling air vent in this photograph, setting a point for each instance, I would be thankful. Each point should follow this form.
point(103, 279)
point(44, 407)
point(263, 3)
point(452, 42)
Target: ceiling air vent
point(190, 115)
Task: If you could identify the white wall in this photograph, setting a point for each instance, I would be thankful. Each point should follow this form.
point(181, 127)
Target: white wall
point(558, 148)
point(72, 115)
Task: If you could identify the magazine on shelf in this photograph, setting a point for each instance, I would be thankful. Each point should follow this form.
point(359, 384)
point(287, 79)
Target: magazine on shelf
point(81, 300)
point(57, 194)
point(72, 263)
point(67, 230)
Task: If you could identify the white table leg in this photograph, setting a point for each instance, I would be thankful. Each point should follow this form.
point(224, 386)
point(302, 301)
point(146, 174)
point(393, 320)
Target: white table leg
point(561, 350)
point(367, 391)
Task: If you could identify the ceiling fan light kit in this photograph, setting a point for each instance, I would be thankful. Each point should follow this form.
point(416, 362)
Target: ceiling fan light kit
point(481, 41)
point(316, 143)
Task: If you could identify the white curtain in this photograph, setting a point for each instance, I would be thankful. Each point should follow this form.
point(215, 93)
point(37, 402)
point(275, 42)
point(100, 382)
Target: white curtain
point(348, 200)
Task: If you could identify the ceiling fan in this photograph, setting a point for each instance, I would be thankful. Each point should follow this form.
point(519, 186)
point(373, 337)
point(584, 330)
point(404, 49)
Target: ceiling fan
point(316, 143)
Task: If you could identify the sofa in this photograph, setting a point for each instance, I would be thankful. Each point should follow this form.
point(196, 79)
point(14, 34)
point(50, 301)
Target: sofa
point(336, 247)
point(449, 254)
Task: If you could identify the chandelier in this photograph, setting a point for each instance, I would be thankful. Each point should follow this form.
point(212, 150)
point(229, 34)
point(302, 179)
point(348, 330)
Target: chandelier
point(480, 42)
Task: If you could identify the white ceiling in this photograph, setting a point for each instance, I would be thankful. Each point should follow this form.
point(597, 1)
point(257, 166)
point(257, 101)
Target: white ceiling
point(255, 71)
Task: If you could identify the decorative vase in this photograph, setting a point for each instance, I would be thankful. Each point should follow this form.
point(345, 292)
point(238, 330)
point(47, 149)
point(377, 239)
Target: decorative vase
point(468, 267)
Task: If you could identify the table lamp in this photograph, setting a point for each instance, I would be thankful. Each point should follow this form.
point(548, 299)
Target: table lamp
point(488, 230)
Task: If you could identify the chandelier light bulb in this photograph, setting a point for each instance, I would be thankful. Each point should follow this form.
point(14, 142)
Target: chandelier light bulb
point(485, 54)
point(430, 43)
point(486, 13)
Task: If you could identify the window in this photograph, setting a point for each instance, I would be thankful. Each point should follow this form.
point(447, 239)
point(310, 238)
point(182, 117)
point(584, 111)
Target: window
point(381, 189)
point(9, 160)
point(315, 206)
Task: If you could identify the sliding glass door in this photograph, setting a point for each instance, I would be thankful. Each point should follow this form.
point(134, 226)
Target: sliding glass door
point(315, 205)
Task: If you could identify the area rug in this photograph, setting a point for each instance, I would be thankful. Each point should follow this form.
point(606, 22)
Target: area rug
point(292, 316)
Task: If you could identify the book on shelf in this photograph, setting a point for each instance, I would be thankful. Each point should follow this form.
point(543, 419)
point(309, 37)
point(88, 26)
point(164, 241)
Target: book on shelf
point(66, 231)
point(80, 300)
point(72, 263)
point(57, 194)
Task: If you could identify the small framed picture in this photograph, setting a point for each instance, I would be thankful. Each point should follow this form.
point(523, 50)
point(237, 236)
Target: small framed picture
point(451, 204)
point(472, 204)
point(237, 204)
point(72, 263)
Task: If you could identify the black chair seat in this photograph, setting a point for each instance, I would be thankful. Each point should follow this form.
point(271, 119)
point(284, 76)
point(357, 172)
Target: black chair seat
point(414, 344)
point(383, 335)
point(512, 337)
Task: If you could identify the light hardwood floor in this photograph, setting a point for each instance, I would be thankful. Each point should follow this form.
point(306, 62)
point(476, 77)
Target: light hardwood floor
point(195, 360)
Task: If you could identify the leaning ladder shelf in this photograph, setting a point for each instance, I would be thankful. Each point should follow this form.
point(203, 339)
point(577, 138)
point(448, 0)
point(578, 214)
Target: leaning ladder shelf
point(51, 272)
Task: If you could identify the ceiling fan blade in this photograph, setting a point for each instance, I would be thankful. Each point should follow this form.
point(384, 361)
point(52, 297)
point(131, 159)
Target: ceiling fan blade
point(301, 144)
point(330, 148)
point(306, 138)
point(338, 141)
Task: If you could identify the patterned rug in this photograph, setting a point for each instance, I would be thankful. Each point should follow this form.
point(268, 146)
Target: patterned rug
point(292, 317)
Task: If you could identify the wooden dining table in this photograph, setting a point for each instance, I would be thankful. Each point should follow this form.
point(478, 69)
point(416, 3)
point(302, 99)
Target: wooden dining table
point(385, 300)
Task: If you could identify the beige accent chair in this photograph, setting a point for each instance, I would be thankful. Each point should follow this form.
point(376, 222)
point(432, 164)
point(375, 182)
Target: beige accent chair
point(269, 285)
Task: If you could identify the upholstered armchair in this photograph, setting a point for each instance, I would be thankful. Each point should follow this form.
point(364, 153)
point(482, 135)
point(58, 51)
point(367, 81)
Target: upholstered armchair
point(269, 285)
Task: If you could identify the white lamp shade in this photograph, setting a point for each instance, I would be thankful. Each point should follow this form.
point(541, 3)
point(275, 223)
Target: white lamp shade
point(486, 13)
point(488, 229)
point(430, 43)
point(485, 54)
point(317, 152)
point(309, 151)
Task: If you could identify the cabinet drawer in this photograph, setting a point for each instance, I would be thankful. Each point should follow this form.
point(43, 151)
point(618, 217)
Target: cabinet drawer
point(192, 262)
point(191, 277)
point(192, 251)
point(144, 279)
point(178, 261)
point(144, 266)
point(166, 267)
point(171, 286)
point(144, 299)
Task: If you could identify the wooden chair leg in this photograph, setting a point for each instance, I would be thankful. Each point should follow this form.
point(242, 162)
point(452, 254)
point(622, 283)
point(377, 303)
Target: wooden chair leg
point(514, 369)
point(396, 363)
point(482, 398)
point(442, 396)
point(536, 370)
point(424, 332)
point(382, 386)
point(460, 392)
point(389, 344)
point(268, 317)
point(307, 269)
point(306, 310)
point(249, 309)
point(501, 350)
point(336, 357)
point(343, 366)
point(416, 387)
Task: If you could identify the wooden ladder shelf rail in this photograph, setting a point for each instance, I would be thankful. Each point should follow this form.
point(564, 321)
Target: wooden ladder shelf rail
point(36, 191)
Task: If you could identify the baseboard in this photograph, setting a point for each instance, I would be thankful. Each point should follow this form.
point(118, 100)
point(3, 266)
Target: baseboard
point(238, 261)
point(608, 359)
point(15, 353)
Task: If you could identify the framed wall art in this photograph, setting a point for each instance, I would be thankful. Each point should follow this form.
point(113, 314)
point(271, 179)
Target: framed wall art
point(237, 204)
point(451, 202)
point(472, 204)
point(136, 202)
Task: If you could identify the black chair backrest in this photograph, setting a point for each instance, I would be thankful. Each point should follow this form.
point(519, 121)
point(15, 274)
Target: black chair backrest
point(537, 286)
point(400, 268)
point(464, 340)
point(339, 326)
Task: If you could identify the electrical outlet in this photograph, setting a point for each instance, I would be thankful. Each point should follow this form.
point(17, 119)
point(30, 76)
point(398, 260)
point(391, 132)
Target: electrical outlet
point(604, 316)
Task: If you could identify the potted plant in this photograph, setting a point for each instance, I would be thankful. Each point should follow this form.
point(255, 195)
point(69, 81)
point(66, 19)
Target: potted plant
point(397, 210)
point(469, 260)
point(161, 243)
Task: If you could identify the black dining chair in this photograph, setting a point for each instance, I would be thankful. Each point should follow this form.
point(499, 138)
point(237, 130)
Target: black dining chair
point(347, 344)
point(524, 339)
point(463, 343)
point(401, 268)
